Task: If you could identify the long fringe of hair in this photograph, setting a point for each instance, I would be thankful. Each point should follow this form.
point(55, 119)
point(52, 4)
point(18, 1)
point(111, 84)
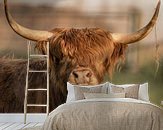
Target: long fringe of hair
point(84, 47)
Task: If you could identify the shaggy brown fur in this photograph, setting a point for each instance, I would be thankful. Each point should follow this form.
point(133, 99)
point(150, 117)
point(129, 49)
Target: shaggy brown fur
point(12, 86)
point(93, 48)
point(84, 47)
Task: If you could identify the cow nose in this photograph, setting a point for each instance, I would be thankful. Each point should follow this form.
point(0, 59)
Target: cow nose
point(84, 74)
point(75, 74)
point(88, 74)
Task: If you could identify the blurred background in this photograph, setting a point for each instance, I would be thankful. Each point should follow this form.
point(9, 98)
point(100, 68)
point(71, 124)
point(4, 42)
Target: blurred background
point(125, 16)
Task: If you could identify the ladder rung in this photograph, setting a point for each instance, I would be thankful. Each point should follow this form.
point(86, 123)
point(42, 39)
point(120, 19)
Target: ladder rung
point(38, 55)
point(38, 71)
point(36, 105)
point(37, 89)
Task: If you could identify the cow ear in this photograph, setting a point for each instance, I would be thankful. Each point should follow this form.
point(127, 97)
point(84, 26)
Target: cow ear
point(118, 56)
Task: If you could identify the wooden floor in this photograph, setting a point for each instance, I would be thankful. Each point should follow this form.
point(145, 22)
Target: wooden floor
point(17, 126)
point(14, 121)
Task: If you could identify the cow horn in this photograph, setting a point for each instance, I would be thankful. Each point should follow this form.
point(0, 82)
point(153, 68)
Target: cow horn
point(136, 36)
point(34, 35)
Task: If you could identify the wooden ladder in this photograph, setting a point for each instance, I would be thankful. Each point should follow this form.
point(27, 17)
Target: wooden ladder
point(36, 89)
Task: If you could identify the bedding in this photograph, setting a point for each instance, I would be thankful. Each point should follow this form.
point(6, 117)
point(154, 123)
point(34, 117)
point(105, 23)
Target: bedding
point(103, 95)
point(105, 114)
point(137, 91)
point(130, 91)
point(105, 108)
point(76, 92)
point(143, 90)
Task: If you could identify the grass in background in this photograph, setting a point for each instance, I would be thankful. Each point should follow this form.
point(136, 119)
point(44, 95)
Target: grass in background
point(13, 54)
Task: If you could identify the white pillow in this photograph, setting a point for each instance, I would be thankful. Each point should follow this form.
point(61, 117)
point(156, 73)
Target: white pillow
point(71, 90)
point(143, 90)
point(103, 95)
point(70, 95)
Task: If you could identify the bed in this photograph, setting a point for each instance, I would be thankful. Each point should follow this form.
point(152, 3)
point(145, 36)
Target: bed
point(106, 107)
point(106, 114)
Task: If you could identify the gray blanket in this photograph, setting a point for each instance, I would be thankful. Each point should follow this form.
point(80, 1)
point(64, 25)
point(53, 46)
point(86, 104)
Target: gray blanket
point(105, 114)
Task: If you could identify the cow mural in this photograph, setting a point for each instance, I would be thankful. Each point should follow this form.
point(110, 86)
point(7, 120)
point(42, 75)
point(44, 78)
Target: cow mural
point(80, 56)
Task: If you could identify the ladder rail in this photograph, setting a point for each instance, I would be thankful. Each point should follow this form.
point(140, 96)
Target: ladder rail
point(47, 109)
point(26, 88)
